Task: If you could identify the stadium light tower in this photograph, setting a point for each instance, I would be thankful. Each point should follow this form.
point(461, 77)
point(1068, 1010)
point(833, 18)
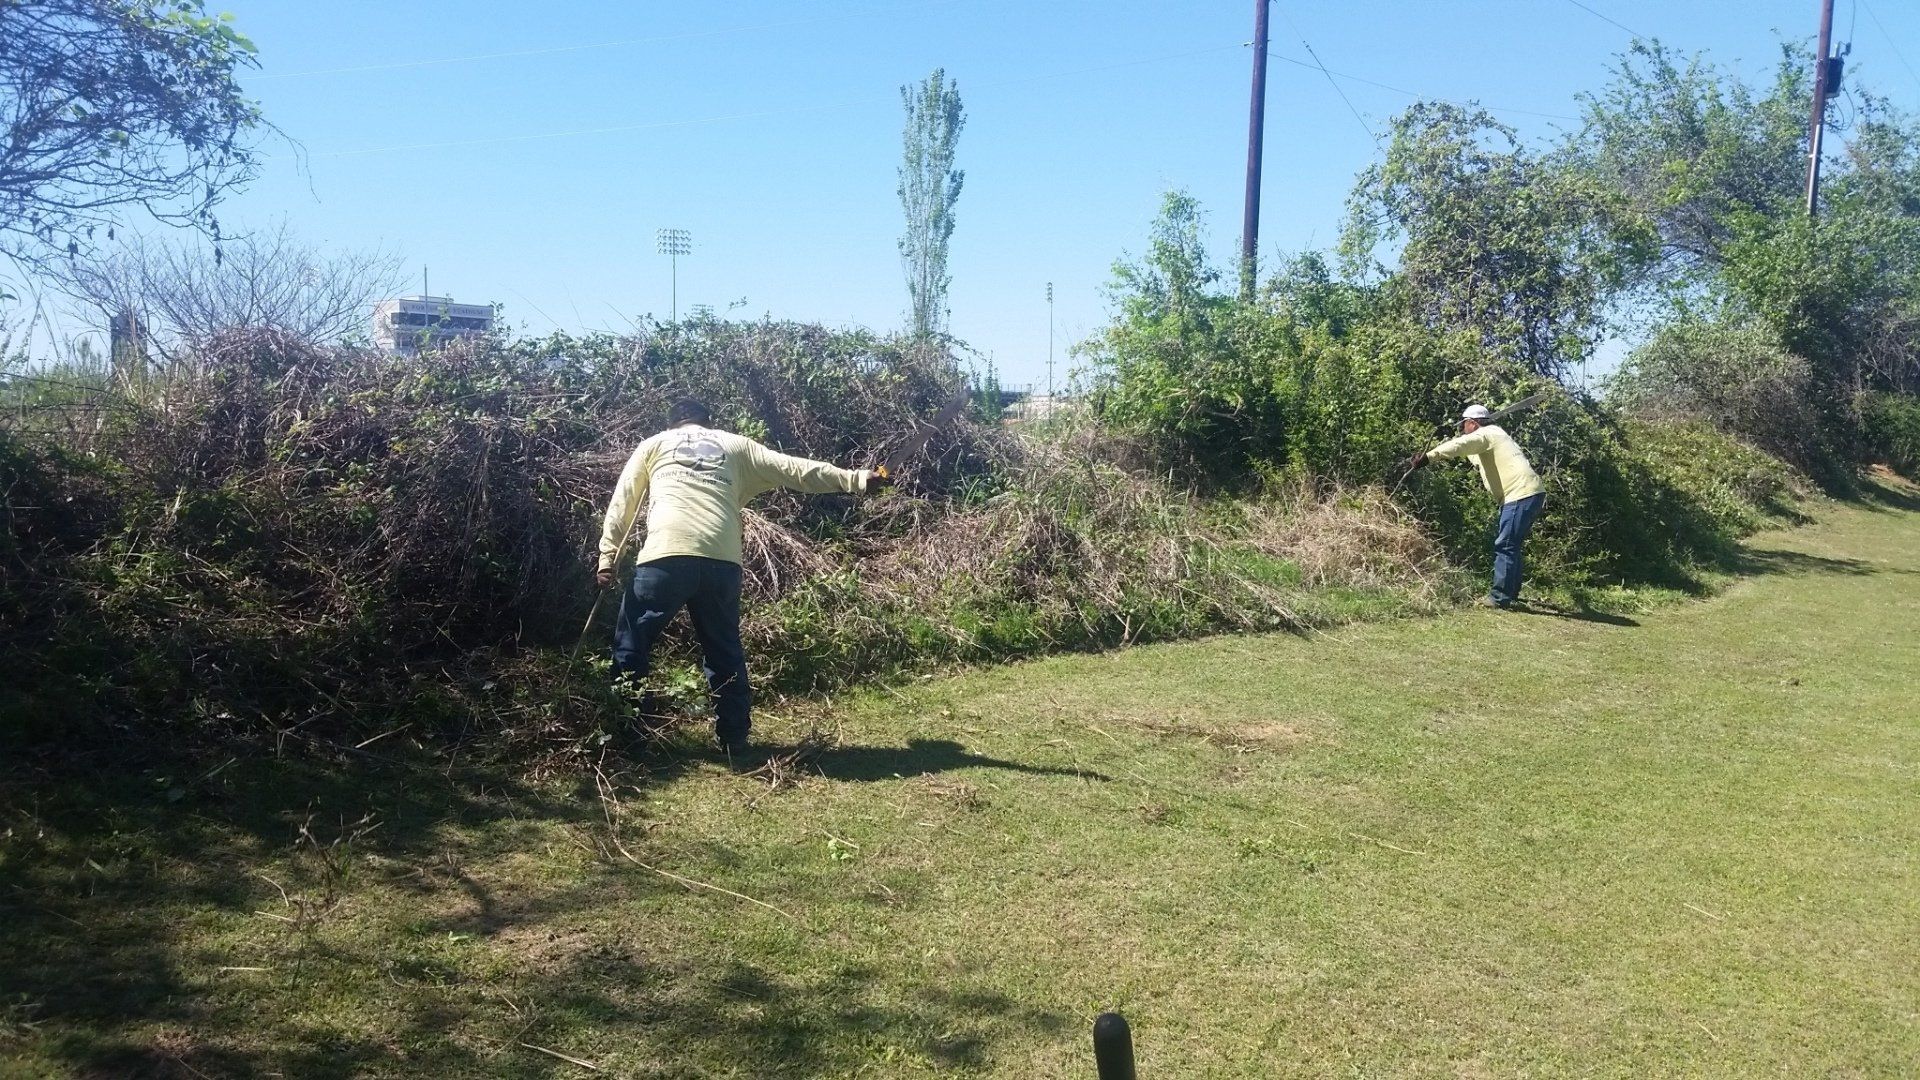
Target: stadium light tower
point(1049, 350)
point(675, 243)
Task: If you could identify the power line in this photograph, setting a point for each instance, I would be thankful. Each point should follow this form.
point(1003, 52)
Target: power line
point(587, 46)
point(1329, 75)
point(757, 114)
point(1604, 18)
point(1412, 94)
point(1902, 57)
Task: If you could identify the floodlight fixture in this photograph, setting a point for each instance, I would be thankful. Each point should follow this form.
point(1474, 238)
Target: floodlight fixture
point(674, 243)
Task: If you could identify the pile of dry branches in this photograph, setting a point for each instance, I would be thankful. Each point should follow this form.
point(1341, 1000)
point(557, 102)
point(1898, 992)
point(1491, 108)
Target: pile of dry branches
point(295, 534)
point(288, 527)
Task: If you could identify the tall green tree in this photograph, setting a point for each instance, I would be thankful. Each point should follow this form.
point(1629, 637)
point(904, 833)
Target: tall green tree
point(929, 187)
point(1492, 241)
point(1717, 168)
point(107, 105)
point(1693, 150)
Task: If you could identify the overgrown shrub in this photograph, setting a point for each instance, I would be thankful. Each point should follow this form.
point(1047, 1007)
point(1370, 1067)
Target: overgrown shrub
point(1736, 376)
point(1321, 380)
point(1074, 552)
point(1890, 425)
point(1627, 502)
point(303, 540)
point(296, 531)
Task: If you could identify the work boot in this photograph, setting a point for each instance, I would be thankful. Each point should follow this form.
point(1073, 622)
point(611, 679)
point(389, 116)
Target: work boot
point(1490, 602)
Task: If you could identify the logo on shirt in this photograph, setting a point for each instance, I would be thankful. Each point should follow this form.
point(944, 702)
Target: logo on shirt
point(699, 453)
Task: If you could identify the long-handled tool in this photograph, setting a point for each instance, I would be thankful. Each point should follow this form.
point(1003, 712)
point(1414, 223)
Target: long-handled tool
point(1520, 406)
point(600, 595)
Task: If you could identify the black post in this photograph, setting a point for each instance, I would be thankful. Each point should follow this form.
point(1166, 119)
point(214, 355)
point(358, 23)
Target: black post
point(1113, 1047)
point(1821, 67)
point(1256, 128)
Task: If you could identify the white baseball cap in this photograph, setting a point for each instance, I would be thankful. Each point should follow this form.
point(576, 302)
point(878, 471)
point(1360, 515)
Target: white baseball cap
point(1477, 412)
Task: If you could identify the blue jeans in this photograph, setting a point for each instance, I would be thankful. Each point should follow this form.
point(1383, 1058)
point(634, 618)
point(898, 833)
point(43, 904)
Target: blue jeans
point(1516, 521)
point(710, 591)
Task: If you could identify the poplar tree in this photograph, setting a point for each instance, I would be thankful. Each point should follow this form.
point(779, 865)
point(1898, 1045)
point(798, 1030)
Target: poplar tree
point(929, 187)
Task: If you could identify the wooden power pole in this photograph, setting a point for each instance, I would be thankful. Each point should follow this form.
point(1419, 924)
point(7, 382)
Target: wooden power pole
point(1822, 68)
point(1256, 126)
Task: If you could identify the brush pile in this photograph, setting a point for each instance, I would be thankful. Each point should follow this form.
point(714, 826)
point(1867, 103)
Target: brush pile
point(292, 540)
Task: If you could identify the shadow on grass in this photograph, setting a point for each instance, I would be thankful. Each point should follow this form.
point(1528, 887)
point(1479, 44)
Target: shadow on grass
point(111, 871)
point(1535, 607)
point(919, 757)
point(1756, 561)
point(139, 937)
point(1889, 493)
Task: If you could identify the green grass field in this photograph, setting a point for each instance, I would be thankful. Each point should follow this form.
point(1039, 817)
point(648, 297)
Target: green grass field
point(1681, 843)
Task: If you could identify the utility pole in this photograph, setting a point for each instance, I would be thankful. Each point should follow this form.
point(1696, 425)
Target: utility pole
point(1822, 86)
point(1256, 127)
point(675, 243)
point(1049, 349)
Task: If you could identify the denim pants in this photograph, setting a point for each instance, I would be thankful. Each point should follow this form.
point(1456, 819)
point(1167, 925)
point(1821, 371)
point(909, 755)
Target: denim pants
point(710, 591)
point(1516, 521)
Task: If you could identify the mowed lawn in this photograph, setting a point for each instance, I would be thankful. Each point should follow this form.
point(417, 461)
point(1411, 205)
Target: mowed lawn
point(1485, 844)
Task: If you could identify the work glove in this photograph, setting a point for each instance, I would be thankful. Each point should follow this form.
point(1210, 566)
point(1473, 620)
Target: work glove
point(1416, 461)
point(879, 479)
point(605, 579)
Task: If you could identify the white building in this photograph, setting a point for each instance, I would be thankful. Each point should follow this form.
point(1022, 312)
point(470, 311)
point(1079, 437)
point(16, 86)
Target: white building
point(406, 324)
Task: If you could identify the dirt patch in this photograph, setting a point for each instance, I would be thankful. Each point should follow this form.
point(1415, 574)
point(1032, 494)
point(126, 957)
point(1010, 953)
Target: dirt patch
point(1270, 732)
point(1256, 735)
point(540, 944)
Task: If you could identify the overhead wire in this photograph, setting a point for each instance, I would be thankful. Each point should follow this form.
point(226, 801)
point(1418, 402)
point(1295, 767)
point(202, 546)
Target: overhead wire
point(1898, 55)
point(1604, 18)
point(1323, 70)
point(1414, 94)
point(1316, 64)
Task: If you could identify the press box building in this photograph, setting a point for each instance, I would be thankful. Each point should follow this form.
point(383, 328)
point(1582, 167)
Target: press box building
point(406, 324)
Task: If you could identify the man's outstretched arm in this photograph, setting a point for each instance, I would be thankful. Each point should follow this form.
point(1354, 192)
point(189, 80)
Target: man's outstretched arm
point(771, 469)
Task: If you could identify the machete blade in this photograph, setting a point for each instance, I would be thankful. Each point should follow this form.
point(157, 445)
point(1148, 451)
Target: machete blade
point(924, 430)
point(1523, 404)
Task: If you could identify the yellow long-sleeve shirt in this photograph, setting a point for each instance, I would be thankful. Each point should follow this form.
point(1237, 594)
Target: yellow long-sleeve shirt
point(693, 481)
point(1503, 466)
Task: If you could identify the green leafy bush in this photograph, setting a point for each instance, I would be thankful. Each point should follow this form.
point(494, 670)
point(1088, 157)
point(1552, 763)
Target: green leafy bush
point(1327, 380)
point(1737, 377)
point(1890, 425)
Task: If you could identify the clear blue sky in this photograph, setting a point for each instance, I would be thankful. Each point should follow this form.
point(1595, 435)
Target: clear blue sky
point(528, 152)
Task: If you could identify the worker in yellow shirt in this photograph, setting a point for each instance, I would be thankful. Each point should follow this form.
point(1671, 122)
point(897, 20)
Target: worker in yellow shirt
point(1505, 471)
point(693, 480)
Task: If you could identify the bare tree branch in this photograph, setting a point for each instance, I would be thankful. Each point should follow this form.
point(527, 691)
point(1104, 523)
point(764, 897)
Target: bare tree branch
point(184, 293)
point(107, 105)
